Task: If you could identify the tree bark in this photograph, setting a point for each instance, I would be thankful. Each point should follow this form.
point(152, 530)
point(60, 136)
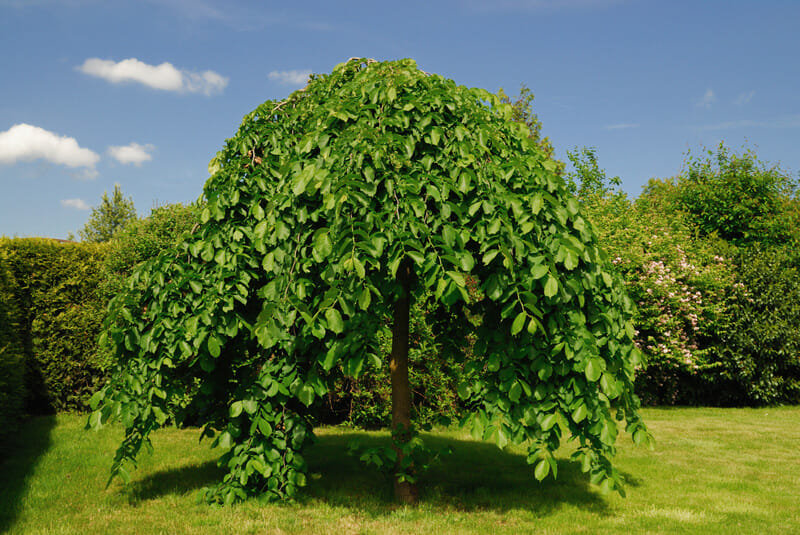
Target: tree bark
point(404, 491)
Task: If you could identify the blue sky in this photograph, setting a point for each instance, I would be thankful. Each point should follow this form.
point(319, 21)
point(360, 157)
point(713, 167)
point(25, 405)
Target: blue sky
point(143, 93)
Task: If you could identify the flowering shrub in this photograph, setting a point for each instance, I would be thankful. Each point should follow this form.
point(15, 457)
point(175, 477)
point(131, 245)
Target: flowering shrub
point(680, 285)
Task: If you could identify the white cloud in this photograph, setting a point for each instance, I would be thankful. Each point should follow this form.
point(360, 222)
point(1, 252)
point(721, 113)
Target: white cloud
point(165, 77)
point(744, 98)
point(134, 153)
point(708, 99)
point(290, 77)
point(78, 204)
point(621, 126)
point(24, 142)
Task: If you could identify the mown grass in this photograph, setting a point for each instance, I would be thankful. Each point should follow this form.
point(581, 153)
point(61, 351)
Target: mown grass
point(731, 471)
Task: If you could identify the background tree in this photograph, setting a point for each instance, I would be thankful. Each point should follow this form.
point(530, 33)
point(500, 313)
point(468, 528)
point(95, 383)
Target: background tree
point(109, 218)
point(522, 112)
point(740, 198)
point(335, 209)
point(587, 180)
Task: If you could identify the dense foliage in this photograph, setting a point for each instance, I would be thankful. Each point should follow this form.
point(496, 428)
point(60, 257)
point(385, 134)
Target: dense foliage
point(739, 198)
point(60, 312)
point(12, 376)
point(762, 341)
point(710, 258)
point(313, 207)
point(143, 239)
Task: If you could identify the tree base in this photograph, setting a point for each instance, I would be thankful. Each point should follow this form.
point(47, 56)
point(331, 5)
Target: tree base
point(406, 492)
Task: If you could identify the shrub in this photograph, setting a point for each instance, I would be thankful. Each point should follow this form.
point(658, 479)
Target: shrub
point(59, 321)
point(679, 282)
point(12, 376)
point(762, 343)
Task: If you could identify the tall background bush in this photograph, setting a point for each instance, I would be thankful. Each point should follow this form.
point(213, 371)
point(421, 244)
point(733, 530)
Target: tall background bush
point(710, 257)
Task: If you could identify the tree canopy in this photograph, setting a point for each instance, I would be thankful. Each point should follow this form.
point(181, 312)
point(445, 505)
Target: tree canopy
point(109, 218)
point(324, 212)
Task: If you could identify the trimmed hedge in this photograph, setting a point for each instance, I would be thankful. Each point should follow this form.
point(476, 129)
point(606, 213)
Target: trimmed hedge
point(60, 314)
point(12, 383)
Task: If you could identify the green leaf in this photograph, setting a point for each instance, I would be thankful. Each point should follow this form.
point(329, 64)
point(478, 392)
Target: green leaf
point(537, 272)
point(489, 256)
point(457, 277)
point(551, 286)
point(541, 470)
point(502, 437)
point(519, 323)
point(593, 370)
point(213, 346)
point(359, 268)
point(515, 391)
point(258, 466)
point(579, 414)
point(436, 133)
point(536, 204)
point(533, 326)
point(416, 256)
point(250, 406)
point(235, 409)
point(364, 298)
point(306, 395)
point(334, 319)
point(549, 421)
point(449, 235)
point(463, 182)
point(330, 359)
point(124, 474)
point(467, 262)
point(322, 244)
point(225, 440)
point(494, 362)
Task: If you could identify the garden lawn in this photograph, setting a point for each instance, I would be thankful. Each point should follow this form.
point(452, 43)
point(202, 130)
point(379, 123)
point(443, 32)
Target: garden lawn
point(731, 471)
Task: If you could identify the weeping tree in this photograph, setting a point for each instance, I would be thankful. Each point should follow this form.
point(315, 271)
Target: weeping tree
point(334, 209)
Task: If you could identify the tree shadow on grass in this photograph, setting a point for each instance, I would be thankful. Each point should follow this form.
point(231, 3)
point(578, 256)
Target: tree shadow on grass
point(477, 476)
point(18, 459)
point(175, 481)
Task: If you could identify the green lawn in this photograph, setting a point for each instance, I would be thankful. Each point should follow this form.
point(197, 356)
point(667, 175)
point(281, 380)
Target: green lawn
point(727, 471)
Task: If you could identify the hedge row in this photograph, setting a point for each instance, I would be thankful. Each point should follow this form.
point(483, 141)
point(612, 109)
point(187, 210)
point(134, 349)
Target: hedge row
point(12, 384)
point(52, 294)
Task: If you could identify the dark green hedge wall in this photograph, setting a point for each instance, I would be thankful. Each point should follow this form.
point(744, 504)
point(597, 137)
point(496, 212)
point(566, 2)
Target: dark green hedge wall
point(12, 380)
point(55, 292)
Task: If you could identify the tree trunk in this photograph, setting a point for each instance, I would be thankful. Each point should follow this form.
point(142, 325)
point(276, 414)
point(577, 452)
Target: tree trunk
point(404, 491)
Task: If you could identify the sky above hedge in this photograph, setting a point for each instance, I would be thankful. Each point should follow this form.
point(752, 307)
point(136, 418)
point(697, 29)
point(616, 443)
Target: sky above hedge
point(143, 93)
